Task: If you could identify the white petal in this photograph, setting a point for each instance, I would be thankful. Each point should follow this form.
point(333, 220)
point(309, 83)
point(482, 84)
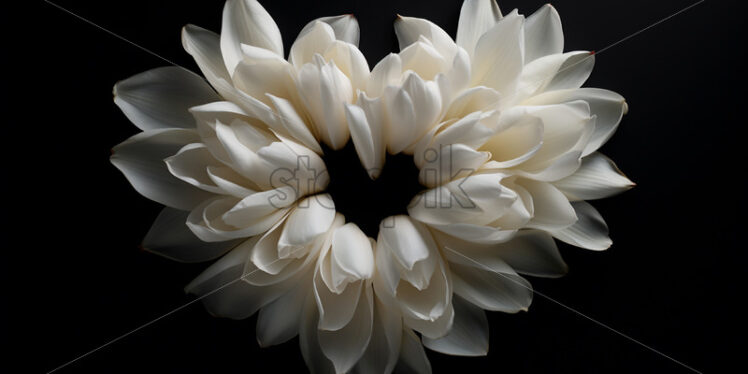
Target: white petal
point(205, 47)
point(409, 30)
point(414, 117)
point(386, 72)
point(273, 76)
point(345, 346)
point(589, 232)
point(533, 253)
point(477, 199)
point(256, 206)
point(351, 254)
point(608, 106)
point(401, 119)
point(497, 291)
point(225, 295)
point(230, 182)
point(476, 17)
point(412, 356)
point(191, 165)
point(141, 160)
point(160, 98)
point(206, 220)
point(517, 143)
point(351, 62)
point(554, 72)
point(452, 161)
point(344, 26)
point(424, 59)
point(278, 322)
point(543, 33)
point(315, 40)
point(309, 340)
point(472, 100)
point(366, 126)
point(312, 217)
point(170, 237)
point(433, 328)
point(325, 91)
point(552, 210)
point(335, 309)
point(407, 239)
point(469, 334)
point(498, 58)
point(384, 347)
point(293, 125)
point(247, 22)
point(476, 233)
point(597, 178)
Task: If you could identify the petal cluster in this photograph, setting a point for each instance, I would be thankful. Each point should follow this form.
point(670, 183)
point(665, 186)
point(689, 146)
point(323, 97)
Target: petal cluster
point(504, 135)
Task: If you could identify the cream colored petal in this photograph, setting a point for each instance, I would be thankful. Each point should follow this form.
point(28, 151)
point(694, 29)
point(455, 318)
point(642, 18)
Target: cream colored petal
point(409, 30)
point(247, 22)
point(141, 159)
point(543, 33)
point(344, 347)
point(589, 232)
point(344, 26)
point(608, 106)
point(597, 178)
point(315, 40)
point(469, 333)
point(552, 210)
point(386, 72)
point(498, 58)
point(161, 98)
point(191, 165)
point(279, 321)
point(170, 237)
point(476, 18)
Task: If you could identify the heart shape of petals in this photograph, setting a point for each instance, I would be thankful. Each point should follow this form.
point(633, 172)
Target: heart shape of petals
point(504, 136)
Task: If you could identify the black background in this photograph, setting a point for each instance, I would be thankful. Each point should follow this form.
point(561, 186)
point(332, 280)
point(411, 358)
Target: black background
point(74, 278)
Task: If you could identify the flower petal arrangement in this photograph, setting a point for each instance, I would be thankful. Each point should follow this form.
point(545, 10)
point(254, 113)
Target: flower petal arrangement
point(496, 120)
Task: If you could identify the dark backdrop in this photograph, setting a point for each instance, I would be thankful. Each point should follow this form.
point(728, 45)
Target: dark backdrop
point(74, 278)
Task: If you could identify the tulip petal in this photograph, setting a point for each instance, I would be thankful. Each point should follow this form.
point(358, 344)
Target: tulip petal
point(497, 291)
point(170, 237)
point(469, 334)
point(384, 347)
point(279, 321)
point(160, 98)
point(314, 358)
point(413, 358)
point(223, 292)
point(589, 232)
point(344, 26)
point(247, 22)
point(367, 132)
point(140, 159)
point(498, 58)
point(552, 210)
point(608, 106)
point(409, 30)
point(345, 346)
point(476, 18)
point(191, 165)
point(543, 33)
point(533, 253)
point(597, 178)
